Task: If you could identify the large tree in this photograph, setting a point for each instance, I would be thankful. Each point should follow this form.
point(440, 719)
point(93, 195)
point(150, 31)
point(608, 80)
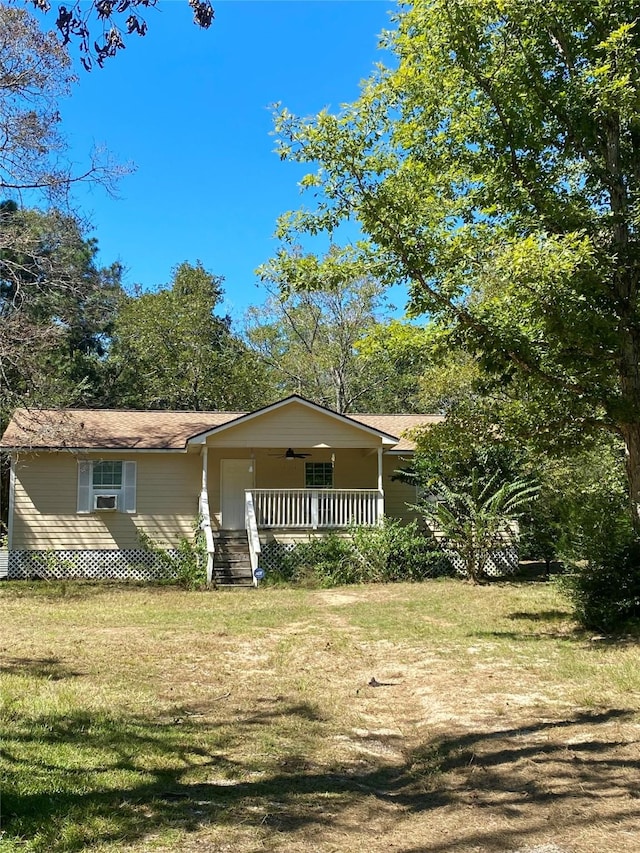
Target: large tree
point(308, 338)
point(56, 305)
point(170, 350)
point(35, 73)
point(496, 168)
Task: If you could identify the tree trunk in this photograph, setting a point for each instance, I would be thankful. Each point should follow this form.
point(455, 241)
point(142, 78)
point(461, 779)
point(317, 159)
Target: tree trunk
point(631, 433)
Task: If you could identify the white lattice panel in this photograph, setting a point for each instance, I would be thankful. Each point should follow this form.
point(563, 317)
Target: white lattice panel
point(128, 565)
point(501, 562)
point(273, 553)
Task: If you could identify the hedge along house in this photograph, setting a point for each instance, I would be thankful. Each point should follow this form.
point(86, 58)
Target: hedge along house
point(89, 486)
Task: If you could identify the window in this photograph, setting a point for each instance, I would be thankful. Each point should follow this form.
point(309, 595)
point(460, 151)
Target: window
point(106, 485)
point(318, 475)
point(107, 475)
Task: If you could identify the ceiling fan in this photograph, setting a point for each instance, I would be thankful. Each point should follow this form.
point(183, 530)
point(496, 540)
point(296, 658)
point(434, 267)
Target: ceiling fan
point(290, 454)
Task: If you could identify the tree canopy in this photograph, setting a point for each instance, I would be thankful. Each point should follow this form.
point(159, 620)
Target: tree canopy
point(80, 22)
point(496, 170)
point(170, 350)
point(308, 341)
point(35, 73)
point(56, 306)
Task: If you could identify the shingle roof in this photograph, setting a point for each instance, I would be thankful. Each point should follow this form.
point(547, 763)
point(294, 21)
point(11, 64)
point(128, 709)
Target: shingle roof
point(102, 429)
point(398, 425)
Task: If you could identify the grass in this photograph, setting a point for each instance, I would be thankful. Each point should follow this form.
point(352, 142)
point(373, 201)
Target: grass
point(152, 719)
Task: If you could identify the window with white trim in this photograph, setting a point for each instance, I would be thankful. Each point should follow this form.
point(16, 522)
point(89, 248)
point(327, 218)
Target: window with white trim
point(106, 475)
point(318, 475)
point(107, 485)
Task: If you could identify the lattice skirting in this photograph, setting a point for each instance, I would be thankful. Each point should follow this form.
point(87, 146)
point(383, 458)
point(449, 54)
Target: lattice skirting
point(501, 563)
point(273, 553)
point(127, 565)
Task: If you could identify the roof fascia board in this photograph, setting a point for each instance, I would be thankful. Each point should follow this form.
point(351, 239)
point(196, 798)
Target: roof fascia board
point(59, 449)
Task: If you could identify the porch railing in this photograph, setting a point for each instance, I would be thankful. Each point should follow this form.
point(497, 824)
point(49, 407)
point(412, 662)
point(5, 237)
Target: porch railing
point(316, 508)
point(251, 526)
point(205, 526)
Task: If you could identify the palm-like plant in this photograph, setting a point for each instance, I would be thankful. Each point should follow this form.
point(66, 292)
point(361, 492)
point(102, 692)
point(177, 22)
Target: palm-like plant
point(478, 522)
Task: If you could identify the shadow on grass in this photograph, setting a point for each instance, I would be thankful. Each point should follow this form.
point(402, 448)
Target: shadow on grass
point(574, 636)
point(542, 615)
point(82, 779)
point(49, 668)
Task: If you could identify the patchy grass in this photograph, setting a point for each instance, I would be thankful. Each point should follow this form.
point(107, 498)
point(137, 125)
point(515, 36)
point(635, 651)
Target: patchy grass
point(150, 719)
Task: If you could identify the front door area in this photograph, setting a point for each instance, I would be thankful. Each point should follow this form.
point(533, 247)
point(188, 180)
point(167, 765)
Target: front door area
point(236, 475)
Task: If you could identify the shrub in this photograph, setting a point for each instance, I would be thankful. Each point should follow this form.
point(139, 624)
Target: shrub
point(397, 552)
point(186, 567)
point(379, 554)
point(605, 593)
point(326, 561)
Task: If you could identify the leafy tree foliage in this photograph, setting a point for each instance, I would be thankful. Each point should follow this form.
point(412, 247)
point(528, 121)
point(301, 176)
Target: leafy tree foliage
point(496, 168)
point(309, 340)
point(580, 508)
point(115, 19)
point(171, 351)
point(56, 306)
point(415, 376)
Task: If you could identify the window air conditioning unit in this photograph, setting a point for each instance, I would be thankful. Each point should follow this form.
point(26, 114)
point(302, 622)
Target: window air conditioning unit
point(105, 503)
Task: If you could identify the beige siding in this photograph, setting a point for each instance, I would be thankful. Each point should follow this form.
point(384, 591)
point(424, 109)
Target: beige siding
point(353, 469)
point(46, 503)
point(295, 426)
point(398, 496)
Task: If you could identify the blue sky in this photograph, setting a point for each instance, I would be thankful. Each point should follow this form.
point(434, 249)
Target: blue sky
point(190, 109)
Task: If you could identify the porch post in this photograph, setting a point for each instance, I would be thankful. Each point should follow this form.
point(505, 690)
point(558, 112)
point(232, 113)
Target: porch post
point(205, 468)
point(380, 490)
point(12, 500)
point(206, 522)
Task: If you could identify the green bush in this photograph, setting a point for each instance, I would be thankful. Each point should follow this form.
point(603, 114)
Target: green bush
point(606, 592)
point(380, 554)
point(323, 562)
point(186, 567)
point(397, 552)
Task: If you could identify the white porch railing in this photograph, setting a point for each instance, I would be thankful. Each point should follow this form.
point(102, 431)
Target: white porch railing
point(205, 526)
point(251, 526)
point(316, 508)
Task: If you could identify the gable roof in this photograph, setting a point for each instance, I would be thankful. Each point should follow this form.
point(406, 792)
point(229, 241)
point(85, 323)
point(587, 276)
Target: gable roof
point(118, 429)
point(387, 438)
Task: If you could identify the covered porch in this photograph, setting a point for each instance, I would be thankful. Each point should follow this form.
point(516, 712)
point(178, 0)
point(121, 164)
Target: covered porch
point(289, 469)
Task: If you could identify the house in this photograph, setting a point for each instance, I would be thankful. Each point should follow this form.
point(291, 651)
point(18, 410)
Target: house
point(89, 487)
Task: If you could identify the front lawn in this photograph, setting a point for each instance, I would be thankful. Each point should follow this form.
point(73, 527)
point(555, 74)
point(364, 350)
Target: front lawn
point(416, 718)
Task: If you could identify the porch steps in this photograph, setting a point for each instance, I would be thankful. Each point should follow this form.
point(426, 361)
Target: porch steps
point(231, 564)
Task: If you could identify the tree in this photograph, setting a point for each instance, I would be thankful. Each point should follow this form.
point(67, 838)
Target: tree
point(308, 340)
point(115, 19)
point(477, 522)
point(35, 73)
point(496, 169)
point(56, 305)
point(171, 351)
